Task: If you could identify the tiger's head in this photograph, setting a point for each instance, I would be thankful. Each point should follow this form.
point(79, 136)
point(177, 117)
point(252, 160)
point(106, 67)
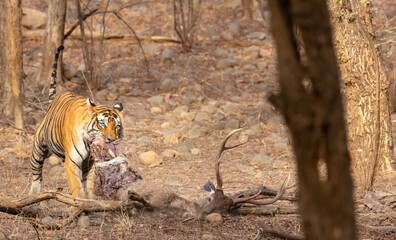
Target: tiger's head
point(106, 122)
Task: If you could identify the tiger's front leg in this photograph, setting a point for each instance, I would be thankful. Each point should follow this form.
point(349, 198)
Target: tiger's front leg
point(74, 177)
point(90, 178)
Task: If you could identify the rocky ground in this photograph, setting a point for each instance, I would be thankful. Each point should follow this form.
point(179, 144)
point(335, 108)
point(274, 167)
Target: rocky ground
point(174, 120)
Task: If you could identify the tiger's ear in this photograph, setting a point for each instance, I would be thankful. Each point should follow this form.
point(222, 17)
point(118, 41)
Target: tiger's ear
point(90, 105)
point(119, 107)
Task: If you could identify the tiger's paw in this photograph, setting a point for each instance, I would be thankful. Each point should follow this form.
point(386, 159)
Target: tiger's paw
point(35, 188)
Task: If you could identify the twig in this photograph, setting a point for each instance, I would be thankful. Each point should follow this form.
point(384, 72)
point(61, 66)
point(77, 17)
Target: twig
point(11, 124)
point(379, 228)
point(57, 225)
point(75, 25)
point(137, 39)
point(267, 230)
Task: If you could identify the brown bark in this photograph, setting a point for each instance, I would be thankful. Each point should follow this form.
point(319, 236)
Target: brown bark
point(11, 60)
point(52, 40)
point(315, 117)
point(366, 89)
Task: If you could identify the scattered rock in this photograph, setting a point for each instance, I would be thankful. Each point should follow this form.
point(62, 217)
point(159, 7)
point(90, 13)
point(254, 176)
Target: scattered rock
point(214, 218)
point(202, 116)
point(151, 49)
point(195, 132)
point(227, 36)
point(155, 110)
point(219, 116)
point(53, 160)
point(188, 99)
point(227, 63)
point(188, 116)
point(282, 143)
point(234, 27)
point(101, 95)
point(169, 153)
point(172, 138)
point(252, 51)
point(249, 68)
point(253, 48)
point(33, 19)
point(143, 141)
point(150, 158)
point(207, 236)
point(156, 101)
point(47, 220)
point(209, 109)
point(230, 108)
point(179, 109)
point(167, 55)
point(262, 65)
point(83, 222)
point(256, 35)
point(195, 151)
point(264, 52)
point(125, 80)
point(232, 124)
point(220, 125)
point(168, 85)
point(221, 53)
point(69, 71)
point(184, 165)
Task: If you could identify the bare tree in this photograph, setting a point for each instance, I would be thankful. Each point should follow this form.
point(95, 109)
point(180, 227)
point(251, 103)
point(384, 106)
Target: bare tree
point(53, 39)
point(185, 15)
point(366, 87)
point(315, 117)
point(11, 68)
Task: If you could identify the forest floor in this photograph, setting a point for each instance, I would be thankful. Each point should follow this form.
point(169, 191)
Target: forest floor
point(186, 106)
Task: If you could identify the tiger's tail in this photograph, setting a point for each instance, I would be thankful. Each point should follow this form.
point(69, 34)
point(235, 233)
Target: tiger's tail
point(52, 89)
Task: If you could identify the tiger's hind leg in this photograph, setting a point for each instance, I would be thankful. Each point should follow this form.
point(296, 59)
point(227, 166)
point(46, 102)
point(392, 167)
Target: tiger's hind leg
point(39, 154)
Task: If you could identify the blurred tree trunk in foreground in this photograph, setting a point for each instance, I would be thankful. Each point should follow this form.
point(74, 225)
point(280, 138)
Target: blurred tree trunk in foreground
point(366, 89)
point(11, 68)
point(54, 32)
point(315, 117)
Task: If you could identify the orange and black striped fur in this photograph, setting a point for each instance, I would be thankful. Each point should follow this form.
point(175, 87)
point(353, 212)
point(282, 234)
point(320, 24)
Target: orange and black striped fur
point(68, 129)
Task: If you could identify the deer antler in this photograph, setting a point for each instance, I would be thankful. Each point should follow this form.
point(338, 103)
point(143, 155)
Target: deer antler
point(223, 148)
point(218, 202)
point(252, 200)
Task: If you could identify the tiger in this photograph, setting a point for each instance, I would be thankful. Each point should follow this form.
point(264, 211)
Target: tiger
point(67, 130)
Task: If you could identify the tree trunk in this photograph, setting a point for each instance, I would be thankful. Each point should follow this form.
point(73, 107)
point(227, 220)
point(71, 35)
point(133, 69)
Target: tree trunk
point(11, 60)
point(366, 89)
point(53, 39)
point(315, 117)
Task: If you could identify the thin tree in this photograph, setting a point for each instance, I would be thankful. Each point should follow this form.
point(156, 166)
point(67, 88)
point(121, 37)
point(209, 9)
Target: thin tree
point(315, 117)
point(11, 69)
point(52, 40)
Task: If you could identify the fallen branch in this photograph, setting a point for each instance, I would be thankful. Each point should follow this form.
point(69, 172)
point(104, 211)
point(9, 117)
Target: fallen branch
point(19, 206)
